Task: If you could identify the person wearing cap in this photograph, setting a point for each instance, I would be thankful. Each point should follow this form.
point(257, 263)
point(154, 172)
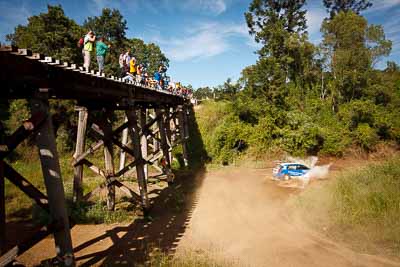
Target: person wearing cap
point(101, 51)
point(87, 48)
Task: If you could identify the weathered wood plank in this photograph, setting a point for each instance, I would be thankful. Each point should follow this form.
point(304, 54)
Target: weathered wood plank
point(25, 186)
point(2, 210)
point(22, 133)
point(143, 112)
point(134, 132)
point(183, 135)
point(79, 148)
point(108, 157)
point(46, 143)
point(124, 142)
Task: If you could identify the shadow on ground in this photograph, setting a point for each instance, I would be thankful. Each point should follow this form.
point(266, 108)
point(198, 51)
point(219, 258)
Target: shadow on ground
point(171, 213)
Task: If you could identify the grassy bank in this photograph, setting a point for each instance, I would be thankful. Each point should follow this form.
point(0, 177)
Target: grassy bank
point(360, 206)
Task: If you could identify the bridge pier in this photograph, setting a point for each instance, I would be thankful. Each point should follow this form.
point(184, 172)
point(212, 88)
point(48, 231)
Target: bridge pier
point(143, 112)
point(46, 142)
point(183, 133)
point(137, 153)
point(2, 209)
point(106, 126)
point(124, 141)
point(79, 149)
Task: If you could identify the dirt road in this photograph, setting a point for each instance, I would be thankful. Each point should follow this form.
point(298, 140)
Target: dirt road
point(243, 215)
point(236, 213)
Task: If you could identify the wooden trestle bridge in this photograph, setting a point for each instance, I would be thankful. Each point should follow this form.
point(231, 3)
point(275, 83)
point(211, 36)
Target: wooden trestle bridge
point(155, 122)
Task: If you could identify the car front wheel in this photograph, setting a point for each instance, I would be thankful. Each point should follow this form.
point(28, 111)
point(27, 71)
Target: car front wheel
point(286, 177)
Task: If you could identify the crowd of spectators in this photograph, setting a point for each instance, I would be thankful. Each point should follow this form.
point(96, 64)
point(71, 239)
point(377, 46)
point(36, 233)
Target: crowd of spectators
point(130, 70)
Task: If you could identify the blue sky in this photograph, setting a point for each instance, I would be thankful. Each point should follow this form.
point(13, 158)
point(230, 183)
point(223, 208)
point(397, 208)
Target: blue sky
point(206, 40)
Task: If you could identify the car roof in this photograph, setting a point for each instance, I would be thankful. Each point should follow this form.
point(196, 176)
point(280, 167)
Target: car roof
point(291, 163)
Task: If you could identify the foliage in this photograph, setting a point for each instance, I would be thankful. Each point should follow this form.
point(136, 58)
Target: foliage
point(286, 54)
point(351, 46)
point(335, 6)
point(110, 24)
point(51, 33)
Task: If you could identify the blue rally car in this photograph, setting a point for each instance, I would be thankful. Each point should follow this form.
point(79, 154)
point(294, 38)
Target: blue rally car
point(286, 171)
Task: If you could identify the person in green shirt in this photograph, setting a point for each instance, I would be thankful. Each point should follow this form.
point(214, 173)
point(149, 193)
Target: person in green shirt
point(87, 48)
point(101, 51)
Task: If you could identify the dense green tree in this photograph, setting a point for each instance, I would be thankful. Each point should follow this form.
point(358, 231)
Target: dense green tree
point(51, 33)
point(203, 93)
point(286, 55)
point(352, 47)
point(110, 24)
point(149, 54)
point(228, 90)
point(391, 66)
point(272, 21)
point(335, 6)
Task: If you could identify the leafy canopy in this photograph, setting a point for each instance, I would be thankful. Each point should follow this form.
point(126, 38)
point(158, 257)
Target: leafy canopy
point(335, 6)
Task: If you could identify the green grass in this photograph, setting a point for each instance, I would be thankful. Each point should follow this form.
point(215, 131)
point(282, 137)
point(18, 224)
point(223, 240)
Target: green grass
point(187, 258)
point(360, 207)
point(21, 207)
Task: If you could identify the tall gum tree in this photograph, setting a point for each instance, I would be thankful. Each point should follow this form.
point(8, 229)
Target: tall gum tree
point(352, 47)
point(286, 55)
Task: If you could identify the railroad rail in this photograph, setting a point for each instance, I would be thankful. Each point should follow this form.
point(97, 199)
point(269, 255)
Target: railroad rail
point(155, 122)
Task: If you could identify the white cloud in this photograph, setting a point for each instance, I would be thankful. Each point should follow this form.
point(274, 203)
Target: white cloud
point(213, 6)
point(378, 5)
point(203, 41)
point(314, 17)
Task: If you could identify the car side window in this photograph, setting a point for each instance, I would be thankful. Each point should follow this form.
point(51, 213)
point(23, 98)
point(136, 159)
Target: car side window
point(291, 167)
point(302, 167)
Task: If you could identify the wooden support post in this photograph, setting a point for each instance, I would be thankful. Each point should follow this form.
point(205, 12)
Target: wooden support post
point(108, 158)
point(135, 136)
point(2, 210)
point(156, 144)
point(79, 149)
point(46, 143)
point(186, 121)
point(183, 135)
point(169, 135)
point(124, 141)
point(163, 137)
point(143, 140)
point(2, 198)
point(163, 126)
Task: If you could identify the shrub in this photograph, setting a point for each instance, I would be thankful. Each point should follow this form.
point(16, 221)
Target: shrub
point(229, 139)
point(366, 137)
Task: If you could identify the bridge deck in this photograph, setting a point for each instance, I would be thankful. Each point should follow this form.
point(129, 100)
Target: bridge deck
point(24, 73)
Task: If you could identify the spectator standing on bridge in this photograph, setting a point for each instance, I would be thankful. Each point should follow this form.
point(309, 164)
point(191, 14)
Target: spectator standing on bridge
point(132, 66)
point(121, 61)
point(87, 48)
point(127, 59)
point(157, 78)
point(101, 51)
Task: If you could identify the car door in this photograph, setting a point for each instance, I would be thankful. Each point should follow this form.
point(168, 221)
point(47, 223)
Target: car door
point(292, 170)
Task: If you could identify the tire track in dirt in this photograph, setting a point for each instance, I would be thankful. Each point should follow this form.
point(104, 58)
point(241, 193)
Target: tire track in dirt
point(242, 215)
